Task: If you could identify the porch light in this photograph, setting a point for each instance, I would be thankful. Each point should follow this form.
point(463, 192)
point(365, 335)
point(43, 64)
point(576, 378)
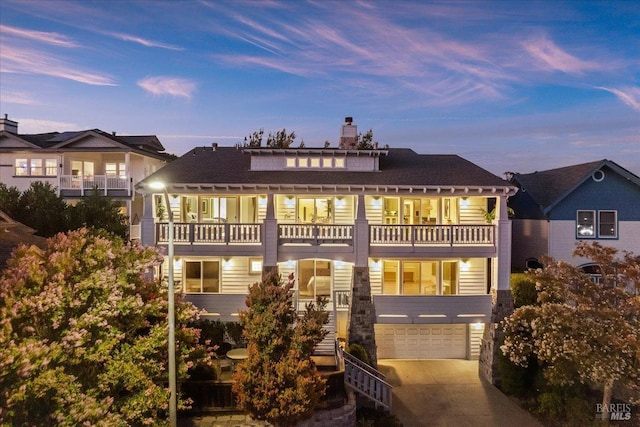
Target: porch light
point(173, 417)
point(477, 326)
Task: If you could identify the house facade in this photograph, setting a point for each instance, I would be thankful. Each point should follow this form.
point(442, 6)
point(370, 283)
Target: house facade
point(555, 209)
point(413, 223)
point(77, 162)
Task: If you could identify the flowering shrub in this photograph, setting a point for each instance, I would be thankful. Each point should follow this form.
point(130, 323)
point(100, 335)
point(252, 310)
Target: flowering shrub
point(582, 330)
point(83, 333)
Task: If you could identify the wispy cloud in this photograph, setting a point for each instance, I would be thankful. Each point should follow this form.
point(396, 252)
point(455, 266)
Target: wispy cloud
point(628, 95)
point(55, 39)
point(44, 126)
point(165, 85)
point(142, 41)
point(32, 61)
point(21, 98)
point(551, 57)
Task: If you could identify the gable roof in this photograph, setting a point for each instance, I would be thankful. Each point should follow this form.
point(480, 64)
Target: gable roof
point(148, 145)
point(399, 167)
point(550, 187)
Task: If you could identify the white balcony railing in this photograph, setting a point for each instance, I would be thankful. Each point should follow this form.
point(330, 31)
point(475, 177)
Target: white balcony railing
point(315, 234)
point(223, 233)
point(432, 234)
point(104, 183)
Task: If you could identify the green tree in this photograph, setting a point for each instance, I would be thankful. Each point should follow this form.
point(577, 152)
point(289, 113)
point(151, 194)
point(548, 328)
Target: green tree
point(43, 210)
point(279, 381)
point(280, 139)
point(98, 211)
point(83, 332)
point(582, 330)
point(365, 141)
point(9, 200)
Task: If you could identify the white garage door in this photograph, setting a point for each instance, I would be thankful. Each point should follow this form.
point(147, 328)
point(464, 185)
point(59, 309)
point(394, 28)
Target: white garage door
point(421, 341)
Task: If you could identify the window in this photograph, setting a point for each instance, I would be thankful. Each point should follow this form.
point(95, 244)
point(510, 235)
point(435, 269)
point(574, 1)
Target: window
point(291, 162)
point(586, 224)
point(315, 162)
point(303, 162)
point(607, 224)
point(202, 276)
point(326, 162)
point(22, 168)
point(339, 163)
point(255, 265)
point(36, 167)
point(51, 167)
point(315, 278)
point(315, 210)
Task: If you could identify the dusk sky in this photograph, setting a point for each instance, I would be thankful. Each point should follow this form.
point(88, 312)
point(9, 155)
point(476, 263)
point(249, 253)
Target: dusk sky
point(510, 85)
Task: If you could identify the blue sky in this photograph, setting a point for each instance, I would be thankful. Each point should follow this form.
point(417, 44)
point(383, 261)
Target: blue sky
point(510, 85)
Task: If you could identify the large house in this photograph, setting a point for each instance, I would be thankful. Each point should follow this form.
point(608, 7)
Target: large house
point(408, 226)
point(78, 162)
point(555, 209)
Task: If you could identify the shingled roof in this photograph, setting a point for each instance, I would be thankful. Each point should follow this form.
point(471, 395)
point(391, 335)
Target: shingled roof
point(548, 187)
point(231, 165)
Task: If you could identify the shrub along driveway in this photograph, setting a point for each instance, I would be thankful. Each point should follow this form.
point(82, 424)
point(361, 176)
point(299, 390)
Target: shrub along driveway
point(438, 393)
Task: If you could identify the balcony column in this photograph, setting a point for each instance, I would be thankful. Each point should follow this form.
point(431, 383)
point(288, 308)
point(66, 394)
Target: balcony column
point(127, 169)
point(147, 223)
point(501, 299)
point(270, 236)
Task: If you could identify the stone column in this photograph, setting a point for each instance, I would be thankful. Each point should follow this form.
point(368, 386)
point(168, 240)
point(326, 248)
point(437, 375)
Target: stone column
point(501, 299)
point(270, 235)
point(362, 315)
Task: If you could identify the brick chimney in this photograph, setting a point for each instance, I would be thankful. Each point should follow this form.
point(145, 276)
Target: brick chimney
point(348, 135)
point(8, 125)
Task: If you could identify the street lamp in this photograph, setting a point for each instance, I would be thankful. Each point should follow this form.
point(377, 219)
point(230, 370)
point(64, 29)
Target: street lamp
point(172, 309)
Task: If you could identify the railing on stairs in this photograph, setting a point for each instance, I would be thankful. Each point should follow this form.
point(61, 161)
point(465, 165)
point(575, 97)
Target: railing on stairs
point(365, 379)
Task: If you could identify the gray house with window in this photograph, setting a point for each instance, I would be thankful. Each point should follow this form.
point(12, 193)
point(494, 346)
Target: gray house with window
point(557, 208)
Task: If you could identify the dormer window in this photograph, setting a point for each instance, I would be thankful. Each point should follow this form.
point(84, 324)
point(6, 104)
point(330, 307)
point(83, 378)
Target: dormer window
point(304, 162)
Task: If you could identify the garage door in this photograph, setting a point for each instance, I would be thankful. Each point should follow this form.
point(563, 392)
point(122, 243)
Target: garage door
point(421, 341)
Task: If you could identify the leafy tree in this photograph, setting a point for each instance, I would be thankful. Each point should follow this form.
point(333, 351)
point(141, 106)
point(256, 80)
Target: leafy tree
point(83, 333)
point(365, 141)
point(582, 331)
point(255, 139)
point(280, 139)
point(99, 212)
point(279, 382)
point(43, 210)
point(9, 200)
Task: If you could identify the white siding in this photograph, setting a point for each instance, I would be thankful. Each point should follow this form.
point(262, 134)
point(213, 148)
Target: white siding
point(476, 330)
point(285, 208)
point(562, 240)
point(342, 272)
point(471, 210)
point(473, 277)
point(344, 207)
point(375, 277)
point(373, 208)
point(235, 276)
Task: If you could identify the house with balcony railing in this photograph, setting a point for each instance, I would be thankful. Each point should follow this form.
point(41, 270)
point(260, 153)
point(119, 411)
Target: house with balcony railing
point(413, 222)
point(78, 163)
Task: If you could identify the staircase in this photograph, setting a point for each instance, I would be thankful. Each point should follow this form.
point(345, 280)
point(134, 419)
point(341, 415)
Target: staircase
point(327, 346)
point(366, 380)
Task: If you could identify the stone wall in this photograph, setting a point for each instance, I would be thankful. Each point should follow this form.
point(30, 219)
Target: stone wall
point(345, 416)
point(501, 307)
point(362, 316)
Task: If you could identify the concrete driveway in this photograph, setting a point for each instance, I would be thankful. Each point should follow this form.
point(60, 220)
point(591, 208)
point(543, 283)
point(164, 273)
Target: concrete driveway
point(439, 393)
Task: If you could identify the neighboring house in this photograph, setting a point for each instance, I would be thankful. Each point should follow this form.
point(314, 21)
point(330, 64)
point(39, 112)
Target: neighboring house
point(557, 208)
point(413, 222)
point(77, 162)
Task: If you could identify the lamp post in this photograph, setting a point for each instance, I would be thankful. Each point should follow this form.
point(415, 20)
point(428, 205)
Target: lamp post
point(171, 314)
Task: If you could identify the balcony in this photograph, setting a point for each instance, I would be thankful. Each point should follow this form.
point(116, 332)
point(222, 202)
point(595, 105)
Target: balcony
point(447, 235)
point(381, 236)
point(208, 233)
point(79, 185)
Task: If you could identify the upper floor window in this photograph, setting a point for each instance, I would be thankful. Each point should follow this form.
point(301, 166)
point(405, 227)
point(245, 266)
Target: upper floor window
point(36, 167)
point(314, 162)
point(605, 222)
point(115, 169)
